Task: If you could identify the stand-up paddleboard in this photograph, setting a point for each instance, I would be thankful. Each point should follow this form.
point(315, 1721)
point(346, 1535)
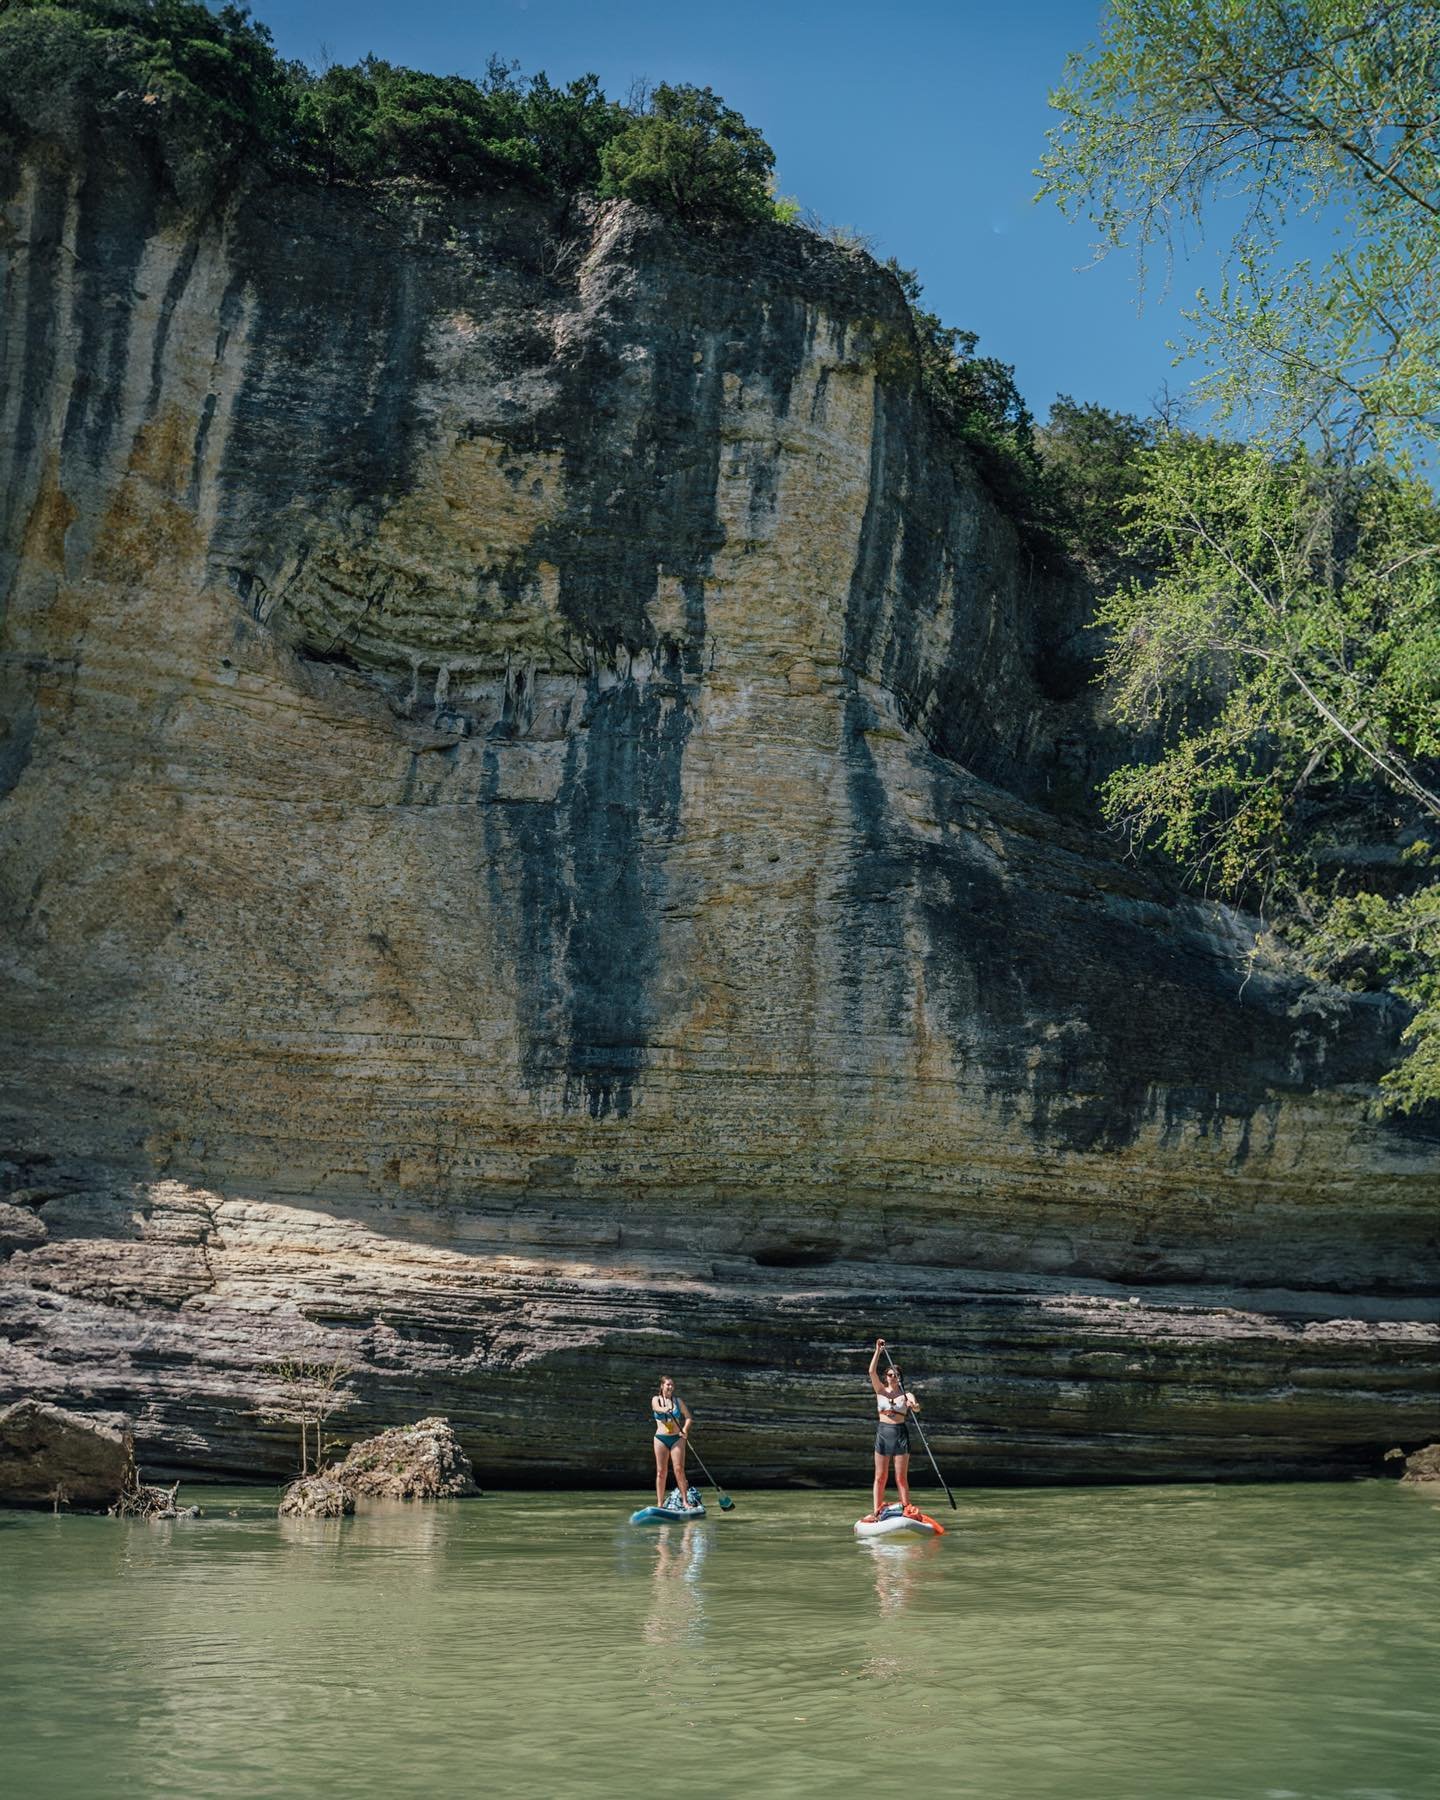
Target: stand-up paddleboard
point(894, 1519)
point(666, 1515)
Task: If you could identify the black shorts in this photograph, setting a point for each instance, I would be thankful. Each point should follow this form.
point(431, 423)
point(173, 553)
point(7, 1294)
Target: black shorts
point(892, 1440)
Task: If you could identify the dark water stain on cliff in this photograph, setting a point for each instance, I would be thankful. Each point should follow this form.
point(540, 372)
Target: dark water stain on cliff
point(582, 880)
point(36, 325)
point(871, 960)
point(642, 430)
point(174, 293)
point(640, 419)
point(116, 217)
point(923, 540)
point(1062, 1013)
point(86, 290)
point(326, 417)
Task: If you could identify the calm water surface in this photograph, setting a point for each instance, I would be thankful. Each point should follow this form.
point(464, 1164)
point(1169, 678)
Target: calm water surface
point(1280, 1643)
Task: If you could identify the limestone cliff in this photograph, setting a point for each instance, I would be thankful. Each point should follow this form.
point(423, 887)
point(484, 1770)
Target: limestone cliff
point(529, 852)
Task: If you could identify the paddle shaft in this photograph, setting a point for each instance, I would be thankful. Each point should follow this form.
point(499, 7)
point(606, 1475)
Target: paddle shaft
point(725, 1500)
point(924, 1440)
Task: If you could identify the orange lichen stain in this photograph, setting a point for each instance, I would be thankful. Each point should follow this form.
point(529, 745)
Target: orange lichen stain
point(163, 450)
point(135, 536)
point(145, 521)
point(50, 518)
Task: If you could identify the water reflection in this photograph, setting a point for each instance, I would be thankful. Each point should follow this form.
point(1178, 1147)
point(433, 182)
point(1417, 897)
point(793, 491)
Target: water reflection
point(1047, 1650)
point(677, 1601)
point(901, 1568)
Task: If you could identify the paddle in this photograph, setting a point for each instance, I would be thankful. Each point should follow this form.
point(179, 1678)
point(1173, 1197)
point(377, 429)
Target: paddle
point(923, 1439)
point(726, 1503)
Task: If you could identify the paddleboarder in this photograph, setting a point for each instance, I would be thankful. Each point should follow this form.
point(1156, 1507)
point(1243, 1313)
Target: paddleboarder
point(672, 1429)
point(895, 1404)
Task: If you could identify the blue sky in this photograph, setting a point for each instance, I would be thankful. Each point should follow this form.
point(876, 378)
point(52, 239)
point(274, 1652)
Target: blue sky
point(918, 125)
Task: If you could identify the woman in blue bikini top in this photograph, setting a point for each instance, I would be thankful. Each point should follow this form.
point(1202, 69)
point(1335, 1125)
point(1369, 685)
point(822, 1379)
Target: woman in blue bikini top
point(672, 1427)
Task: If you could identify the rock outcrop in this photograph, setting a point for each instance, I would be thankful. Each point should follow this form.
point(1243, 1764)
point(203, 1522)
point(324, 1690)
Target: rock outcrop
point(319, 1496)
point(51, 1457)
point(408, 1462)
point(1423, 1465)
point(533, 845)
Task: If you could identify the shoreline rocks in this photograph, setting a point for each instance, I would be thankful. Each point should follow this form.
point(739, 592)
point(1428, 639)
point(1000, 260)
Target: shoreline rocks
point(51, 1457)
point(423, 1461)
point(318, 1496)
point(1422, 1465)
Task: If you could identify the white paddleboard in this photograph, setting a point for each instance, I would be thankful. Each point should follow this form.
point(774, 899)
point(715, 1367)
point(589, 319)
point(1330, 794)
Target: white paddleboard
point(894, 1522)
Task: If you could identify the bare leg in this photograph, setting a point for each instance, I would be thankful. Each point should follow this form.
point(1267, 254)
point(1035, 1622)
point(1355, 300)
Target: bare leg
point(677, 1462)
point(902, 1478)
point(882, 1476)
point(662, 1464)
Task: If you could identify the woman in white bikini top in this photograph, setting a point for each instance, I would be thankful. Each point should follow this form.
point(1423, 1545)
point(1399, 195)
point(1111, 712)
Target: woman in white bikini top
point(894, 1403)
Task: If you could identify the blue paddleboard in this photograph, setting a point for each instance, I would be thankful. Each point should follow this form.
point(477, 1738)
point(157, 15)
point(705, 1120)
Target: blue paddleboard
point(665, 1515)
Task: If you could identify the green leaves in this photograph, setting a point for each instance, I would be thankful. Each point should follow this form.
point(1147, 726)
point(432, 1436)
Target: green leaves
point(1285, 659)
point(207, 91)
point(1290, 108)
point(200, 90)
point(1281, 654)
point(692, 155)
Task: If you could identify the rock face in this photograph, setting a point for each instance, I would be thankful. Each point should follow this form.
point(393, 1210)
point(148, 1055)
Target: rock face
point(532, 846)
point(50, 1457)
point(1423, 1465)
point(316, 1497)
point(409, 1462)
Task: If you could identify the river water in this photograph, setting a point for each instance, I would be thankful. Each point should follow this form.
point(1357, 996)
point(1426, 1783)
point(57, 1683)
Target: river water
point(1210, 1643)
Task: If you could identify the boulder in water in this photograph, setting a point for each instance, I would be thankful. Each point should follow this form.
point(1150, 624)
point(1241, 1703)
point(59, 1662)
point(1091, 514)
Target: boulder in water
point(409, 1462)
point(317, 1497)
point(1423, 1465)
point(50, 1457)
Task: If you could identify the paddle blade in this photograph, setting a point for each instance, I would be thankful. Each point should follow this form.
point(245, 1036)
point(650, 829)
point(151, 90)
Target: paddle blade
point(726, 1503)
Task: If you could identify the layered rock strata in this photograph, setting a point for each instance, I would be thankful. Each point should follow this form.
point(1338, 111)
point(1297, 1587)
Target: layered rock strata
point(533, 840)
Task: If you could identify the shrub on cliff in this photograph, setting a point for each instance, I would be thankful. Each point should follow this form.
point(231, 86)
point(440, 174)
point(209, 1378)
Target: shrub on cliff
point(691, 155)
point(205, 93)
point(372, 119)
point(1093, 473)
point(978, 398)
point(200, 90)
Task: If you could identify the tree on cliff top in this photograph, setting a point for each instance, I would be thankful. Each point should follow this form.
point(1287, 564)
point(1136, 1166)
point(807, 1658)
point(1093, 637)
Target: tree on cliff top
point(692, 155)
point(202, 89)
point(206, 92)
point(1289, 649)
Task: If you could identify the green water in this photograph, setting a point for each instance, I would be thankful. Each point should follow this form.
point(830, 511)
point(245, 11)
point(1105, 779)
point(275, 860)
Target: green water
point(1117, 1644)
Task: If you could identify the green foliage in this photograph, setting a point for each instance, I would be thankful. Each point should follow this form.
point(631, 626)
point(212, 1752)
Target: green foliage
point(1362, 938)
point(373, 120)
point(1093, 474)
point(207, 92)
point(978, 398)
point(1287, 646)
point(1291, 107)
point(200, 89)
point(692, 155)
